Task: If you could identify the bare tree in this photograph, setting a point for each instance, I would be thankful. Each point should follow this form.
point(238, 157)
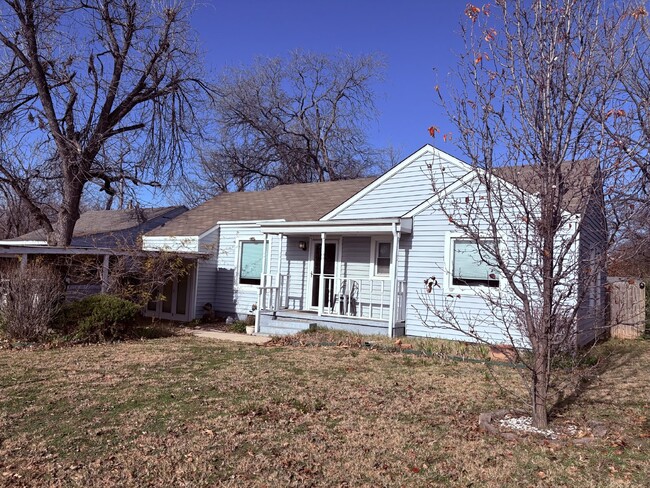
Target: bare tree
point(630, 253)
point(626, 122)
point(84, 83)
point(15, 218)
point(299, 119)
point(529, 89)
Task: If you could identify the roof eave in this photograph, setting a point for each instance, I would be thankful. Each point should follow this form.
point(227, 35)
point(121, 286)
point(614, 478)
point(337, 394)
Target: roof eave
point(341, 227)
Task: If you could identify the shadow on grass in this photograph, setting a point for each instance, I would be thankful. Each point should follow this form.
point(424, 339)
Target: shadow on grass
point(152, 332)
point(146, 328)
point(608, 357)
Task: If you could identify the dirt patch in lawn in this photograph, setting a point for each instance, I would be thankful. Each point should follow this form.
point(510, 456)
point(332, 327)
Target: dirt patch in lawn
point(185, 411)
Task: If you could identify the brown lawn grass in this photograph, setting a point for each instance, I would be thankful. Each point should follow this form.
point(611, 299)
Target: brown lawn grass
point(197, 412)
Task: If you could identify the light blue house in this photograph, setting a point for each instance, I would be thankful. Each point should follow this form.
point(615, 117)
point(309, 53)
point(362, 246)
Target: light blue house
point(357, 255)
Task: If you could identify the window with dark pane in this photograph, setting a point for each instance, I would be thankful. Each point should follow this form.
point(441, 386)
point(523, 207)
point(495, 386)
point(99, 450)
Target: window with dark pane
point(382, 259)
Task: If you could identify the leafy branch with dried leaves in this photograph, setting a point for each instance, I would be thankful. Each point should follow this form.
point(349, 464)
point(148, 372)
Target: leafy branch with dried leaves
point(527, 101)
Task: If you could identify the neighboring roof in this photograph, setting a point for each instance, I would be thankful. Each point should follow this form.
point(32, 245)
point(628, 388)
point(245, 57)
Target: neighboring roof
point(580, 178)
point(108, 228)
point(296, 202)
point(12, 251)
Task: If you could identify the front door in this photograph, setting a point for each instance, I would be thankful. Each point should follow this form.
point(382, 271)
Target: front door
point(329, 272)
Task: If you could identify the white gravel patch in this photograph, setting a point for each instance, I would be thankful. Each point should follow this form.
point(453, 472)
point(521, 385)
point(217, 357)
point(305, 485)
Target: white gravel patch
point(525, 424)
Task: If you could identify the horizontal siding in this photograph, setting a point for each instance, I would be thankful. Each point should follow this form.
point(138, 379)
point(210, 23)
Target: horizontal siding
point(355, 257)
point(296, 264)
point(206, 278)
point(426, 258)
point(405, 190)
point(372, 297)
point(592, 319)
point(230, 297)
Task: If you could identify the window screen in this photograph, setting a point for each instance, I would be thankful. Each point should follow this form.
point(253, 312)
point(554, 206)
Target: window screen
point(250, 263)
point(469, 269)
point(382, 259)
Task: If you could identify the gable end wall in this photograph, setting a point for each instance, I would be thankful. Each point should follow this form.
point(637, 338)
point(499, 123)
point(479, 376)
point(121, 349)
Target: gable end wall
point(404, 190)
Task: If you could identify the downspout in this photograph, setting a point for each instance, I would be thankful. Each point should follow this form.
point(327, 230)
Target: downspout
point(393, 281)
point(194, 287)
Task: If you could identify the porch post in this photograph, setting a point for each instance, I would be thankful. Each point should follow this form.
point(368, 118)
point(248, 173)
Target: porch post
point(279, 272)
point(393, 282)
point(23, 262)
point(260, 291)
point(105, 265)
point(321, 280)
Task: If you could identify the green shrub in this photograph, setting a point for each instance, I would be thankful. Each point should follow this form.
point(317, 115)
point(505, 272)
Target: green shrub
point(238, 326)
point(98, 318)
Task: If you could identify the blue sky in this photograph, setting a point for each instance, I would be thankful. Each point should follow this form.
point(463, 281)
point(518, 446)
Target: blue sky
point(414, 36)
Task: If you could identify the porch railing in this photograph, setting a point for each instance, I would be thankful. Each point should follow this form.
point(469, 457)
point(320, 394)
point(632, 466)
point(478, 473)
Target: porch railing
point(272, 293)
point(401, 301)
point(361, 298)
point(344, 297)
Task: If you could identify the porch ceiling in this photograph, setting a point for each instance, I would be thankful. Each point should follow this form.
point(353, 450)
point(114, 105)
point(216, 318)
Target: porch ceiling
point(341, 227)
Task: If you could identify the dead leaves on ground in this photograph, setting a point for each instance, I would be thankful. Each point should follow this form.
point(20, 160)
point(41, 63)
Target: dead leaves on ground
point(185, 412)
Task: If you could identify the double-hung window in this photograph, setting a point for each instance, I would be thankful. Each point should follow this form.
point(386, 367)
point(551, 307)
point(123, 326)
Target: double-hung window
point(381, 258)
point(250, 262)
point(471, 265)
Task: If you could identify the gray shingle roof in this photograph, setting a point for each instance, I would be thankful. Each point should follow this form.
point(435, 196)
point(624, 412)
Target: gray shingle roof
point(108, 228)
point(580, 178)
point(300, 201)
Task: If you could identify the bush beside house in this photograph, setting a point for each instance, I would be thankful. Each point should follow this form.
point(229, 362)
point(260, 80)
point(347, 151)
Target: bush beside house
point(97, 318)
point(30, 299)
point(32, 309)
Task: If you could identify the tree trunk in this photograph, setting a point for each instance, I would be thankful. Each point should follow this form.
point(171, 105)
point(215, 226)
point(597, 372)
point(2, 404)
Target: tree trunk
point(68, 213)
point(544, 328)
point(540, 385)
point(541, 341)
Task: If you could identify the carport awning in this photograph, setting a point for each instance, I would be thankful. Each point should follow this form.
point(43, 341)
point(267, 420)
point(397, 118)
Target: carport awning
point(17, 250)
point(341, 227)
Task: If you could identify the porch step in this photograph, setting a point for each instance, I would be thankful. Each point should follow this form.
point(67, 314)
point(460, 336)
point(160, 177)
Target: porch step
point(292, 325)
point(283, 327)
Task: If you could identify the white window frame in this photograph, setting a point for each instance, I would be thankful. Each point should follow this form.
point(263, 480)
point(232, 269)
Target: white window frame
point(238, 257)
point(374, 242)
point(448, 283)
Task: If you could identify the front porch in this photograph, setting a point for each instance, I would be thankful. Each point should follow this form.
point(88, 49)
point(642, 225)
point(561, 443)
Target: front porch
point(286, 321)
point(345, 277)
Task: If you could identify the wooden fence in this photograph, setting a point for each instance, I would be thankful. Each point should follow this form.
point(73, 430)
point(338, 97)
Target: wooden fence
point(626, 308)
